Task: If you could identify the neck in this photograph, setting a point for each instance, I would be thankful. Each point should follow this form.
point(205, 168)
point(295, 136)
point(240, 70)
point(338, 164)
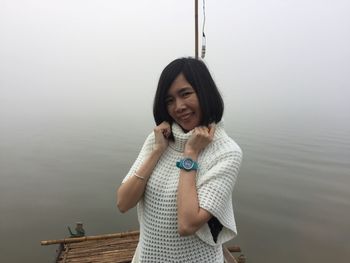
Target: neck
point(181, 136)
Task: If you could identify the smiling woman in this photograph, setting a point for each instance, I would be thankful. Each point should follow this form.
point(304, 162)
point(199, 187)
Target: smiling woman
point(184, 175)
point(187, 80)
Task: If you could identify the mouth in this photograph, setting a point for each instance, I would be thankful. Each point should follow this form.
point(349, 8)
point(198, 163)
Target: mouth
point(186, 116)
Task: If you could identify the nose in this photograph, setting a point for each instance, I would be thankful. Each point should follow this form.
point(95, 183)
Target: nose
point(179, 105)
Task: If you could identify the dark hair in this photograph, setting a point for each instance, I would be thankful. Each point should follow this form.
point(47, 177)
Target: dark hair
point(198, 75)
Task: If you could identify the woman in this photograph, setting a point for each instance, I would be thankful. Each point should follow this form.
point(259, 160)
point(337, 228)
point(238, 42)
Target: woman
point(184, 175)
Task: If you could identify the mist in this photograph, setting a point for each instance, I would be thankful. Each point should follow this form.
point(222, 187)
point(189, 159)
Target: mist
point(103, 59)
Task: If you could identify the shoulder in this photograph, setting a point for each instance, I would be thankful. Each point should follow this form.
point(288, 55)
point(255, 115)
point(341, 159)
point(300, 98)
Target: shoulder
point(148, 144)
point(222, 148)
point(223, 143)
point(226, 144)
point(150, 138)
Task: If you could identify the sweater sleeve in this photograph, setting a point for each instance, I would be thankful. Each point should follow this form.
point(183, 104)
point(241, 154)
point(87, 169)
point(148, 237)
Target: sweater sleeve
point(145, 150)
point(214, 188)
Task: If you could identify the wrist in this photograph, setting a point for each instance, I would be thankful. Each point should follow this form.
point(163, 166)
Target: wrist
point(192, 154)
point(157, 152)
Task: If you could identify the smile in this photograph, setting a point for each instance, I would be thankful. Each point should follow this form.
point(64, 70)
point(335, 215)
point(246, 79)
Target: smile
point(185, 116)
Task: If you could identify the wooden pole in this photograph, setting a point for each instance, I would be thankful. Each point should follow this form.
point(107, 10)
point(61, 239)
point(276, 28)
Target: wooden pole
point(234, 248)
point(228, 256)
point(196, 27)
point(86, 238)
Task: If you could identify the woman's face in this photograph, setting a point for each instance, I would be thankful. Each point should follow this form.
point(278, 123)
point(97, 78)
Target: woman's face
point(183, 105)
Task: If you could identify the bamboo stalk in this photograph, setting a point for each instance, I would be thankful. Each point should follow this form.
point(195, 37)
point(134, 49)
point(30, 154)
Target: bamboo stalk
point(127, 248)
point(81, 239)
point(106, 242)
point(196, 28)
point(103, 257)
point(128, 254)
point(65, 255)
point(234, 248)
point(228, 256)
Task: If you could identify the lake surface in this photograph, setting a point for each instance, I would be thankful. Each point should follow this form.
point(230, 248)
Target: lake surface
point(291, 199)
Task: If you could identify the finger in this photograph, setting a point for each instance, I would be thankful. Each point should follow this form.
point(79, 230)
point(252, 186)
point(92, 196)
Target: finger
point(165, 128)
point(162, 126)
point(166, 133)
point(202, 128)
point(165, 124)
point(212, 128)
point(199, 131)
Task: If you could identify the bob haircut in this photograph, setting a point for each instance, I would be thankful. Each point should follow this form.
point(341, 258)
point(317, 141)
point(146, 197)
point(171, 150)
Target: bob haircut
point(198, 75)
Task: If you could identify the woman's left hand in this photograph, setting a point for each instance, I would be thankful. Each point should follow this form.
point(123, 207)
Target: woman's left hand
point(200, 138)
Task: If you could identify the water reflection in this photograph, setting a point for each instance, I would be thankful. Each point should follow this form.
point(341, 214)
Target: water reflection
point(291, 199)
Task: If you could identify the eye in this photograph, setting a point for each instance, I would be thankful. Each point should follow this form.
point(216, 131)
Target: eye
point(169, 100)
point(186, 94)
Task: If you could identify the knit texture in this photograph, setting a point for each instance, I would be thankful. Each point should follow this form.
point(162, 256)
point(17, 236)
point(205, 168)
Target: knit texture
point(157, 211)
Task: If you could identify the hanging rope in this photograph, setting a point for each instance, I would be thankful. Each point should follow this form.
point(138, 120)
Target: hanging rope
point(204, 40)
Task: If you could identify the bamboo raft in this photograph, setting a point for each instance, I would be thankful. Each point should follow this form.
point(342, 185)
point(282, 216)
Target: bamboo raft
point(116, 248)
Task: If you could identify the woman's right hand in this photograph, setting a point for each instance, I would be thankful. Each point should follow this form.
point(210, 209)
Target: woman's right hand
point(161, 134)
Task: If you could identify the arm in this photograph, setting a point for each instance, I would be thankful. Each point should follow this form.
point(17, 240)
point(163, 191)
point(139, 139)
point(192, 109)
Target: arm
point(190, 216)
point(130, 192)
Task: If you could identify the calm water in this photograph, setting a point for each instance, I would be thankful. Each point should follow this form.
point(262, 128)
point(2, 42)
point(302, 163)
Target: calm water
point(291, 200)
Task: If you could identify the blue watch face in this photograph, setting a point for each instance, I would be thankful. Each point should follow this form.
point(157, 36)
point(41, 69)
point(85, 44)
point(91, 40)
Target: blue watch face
point(187, 164)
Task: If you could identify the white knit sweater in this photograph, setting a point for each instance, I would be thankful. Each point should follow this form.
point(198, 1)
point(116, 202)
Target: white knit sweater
point(157, 211)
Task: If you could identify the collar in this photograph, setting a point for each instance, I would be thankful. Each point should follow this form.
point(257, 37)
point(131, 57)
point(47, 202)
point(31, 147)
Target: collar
point(181, 137)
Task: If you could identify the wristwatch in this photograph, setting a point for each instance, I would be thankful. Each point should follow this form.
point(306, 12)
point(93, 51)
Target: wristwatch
point(187, 164)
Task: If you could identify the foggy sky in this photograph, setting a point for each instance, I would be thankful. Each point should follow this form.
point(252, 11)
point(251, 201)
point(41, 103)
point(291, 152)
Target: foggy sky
point(104, 57)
